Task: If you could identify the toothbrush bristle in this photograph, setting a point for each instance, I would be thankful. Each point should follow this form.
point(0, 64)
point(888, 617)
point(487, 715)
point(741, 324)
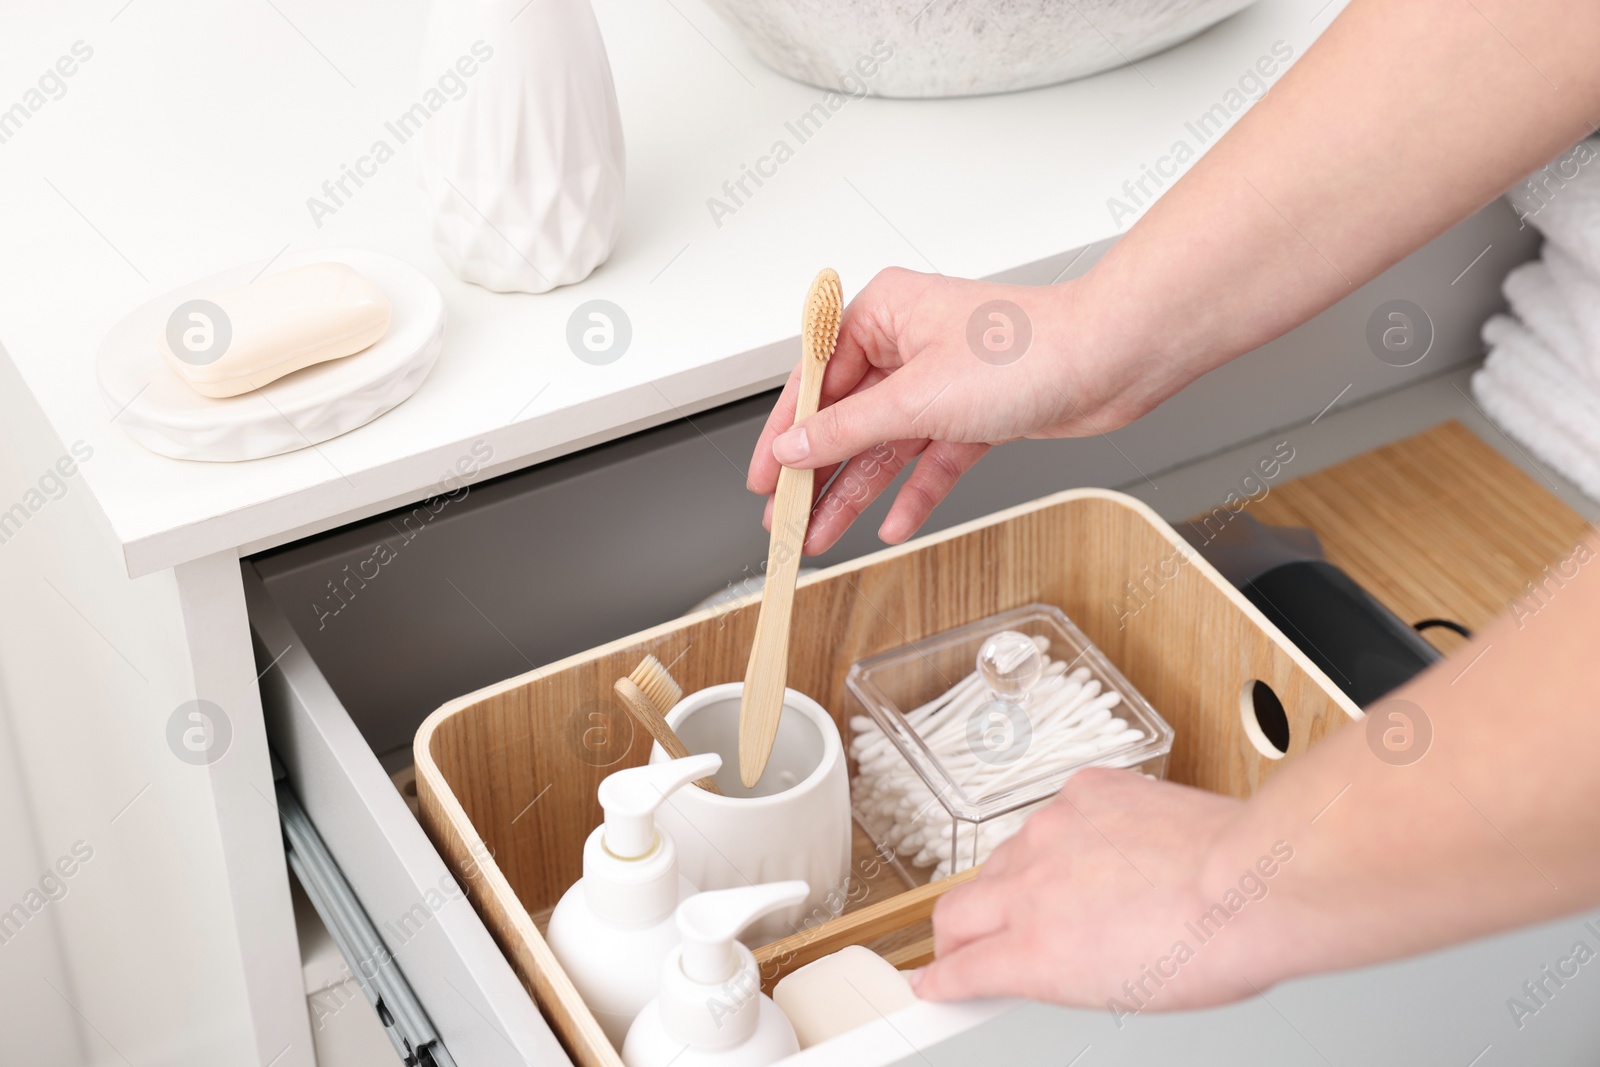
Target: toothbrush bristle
point(823, 310)
point(659, 686)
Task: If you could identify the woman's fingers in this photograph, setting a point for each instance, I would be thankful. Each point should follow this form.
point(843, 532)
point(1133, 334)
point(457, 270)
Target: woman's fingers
point(818, 483)
point(968, 912)
point(861, 481)
point(884, 376)
point(868, 336)
point(866, 351)
point(938, 469)
point(764, 466)
point(864, 474)
point(849, 426)
point(983, 968)
point(763, 474)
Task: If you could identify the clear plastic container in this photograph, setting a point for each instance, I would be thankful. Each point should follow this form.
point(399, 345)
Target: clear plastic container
point(981, 761)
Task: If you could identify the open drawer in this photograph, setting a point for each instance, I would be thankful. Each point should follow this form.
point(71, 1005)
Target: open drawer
point(474, 601)
point(1195, 647)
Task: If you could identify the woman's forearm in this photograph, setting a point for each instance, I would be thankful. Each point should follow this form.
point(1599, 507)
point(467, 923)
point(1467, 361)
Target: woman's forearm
point(1404, 118)
point(1495, 825)
point(1407, 116)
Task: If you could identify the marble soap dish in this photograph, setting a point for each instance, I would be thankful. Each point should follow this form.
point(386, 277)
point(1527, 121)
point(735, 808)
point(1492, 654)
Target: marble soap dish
point(160, 411)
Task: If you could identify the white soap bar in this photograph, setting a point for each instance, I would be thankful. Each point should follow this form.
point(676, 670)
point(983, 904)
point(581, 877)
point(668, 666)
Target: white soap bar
point(247, 337)
point(850, 988)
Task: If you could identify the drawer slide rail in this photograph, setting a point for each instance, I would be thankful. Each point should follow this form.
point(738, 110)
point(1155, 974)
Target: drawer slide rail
point(398, 1008)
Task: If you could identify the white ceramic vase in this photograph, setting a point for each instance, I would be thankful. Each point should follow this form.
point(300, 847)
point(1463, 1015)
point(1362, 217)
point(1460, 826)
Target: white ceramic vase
point(520, 142)
point(795, 822)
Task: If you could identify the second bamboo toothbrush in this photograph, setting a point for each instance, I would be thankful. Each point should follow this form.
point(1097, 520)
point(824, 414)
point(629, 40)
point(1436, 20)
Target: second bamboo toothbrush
point(768, 671)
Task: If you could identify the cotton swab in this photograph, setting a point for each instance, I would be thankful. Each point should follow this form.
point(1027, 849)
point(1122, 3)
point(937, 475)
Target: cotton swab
point(1069, 719)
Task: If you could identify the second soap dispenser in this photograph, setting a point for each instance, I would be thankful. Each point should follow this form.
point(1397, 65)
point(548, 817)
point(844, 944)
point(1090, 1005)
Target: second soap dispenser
point(613, 928)
point(711, 1011)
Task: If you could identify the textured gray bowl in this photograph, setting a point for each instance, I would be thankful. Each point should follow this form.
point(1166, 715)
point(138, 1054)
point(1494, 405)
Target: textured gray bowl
point(916, 48)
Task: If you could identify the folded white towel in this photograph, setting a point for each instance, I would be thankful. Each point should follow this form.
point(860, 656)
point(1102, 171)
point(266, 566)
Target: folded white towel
point(1541, 380)
point(1534, 396)
point(1578, 295)
point(1540, 305)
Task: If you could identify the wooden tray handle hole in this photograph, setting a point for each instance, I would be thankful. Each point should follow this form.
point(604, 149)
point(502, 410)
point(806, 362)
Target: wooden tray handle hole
point(1265, 722)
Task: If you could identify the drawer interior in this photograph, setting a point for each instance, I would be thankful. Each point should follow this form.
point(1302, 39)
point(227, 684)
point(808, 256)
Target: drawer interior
point(410, 608)
point(482, 1008)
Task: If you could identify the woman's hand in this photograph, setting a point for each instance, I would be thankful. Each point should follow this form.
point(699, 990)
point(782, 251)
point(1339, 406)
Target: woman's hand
point(1367, 149)
point(1364, 151)
point(1101, 901)
point(938, 370)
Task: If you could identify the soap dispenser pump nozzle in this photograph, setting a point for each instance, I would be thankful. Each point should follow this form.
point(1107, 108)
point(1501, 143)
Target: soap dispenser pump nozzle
point(630, 799)
point(710, 923)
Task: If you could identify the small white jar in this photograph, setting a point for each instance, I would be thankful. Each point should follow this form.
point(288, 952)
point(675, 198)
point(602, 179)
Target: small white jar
point(795, 822)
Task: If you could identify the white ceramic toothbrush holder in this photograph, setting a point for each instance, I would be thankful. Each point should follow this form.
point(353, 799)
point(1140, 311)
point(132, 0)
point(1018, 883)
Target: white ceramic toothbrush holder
point(795, 822)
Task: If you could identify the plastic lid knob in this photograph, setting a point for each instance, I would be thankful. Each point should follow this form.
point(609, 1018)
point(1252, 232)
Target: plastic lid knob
point(710, 922)
point(630, 799)
point(1010, 664)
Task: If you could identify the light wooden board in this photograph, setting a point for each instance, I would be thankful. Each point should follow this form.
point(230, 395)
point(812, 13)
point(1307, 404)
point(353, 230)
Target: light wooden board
point(1437, 525)
point(888, 926)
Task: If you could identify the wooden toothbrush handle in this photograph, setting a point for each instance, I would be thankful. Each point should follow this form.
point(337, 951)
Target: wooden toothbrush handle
point(643, 710)
point(768, 670)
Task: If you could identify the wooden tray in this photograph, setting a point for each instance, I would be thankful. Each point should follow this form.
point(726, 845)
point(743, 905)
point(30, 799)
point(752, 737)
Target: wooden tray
point(506, 776)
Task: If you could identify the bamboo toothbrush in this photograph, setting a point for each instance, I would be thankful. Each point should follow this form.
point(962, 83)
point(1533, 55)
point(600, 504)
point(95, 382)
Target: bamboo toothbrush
point(649, 693)
point(767, 674)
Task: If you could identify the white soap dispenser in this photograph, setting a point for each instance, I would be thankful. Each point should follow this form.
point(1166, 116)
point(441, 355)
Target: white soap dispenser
point(613, 928)
point(711, 1011)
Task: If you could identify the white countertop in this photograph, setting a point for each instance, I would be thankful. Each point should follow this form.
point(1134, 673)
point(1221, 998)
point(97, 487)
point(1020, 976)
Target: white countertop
point(192, 138)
